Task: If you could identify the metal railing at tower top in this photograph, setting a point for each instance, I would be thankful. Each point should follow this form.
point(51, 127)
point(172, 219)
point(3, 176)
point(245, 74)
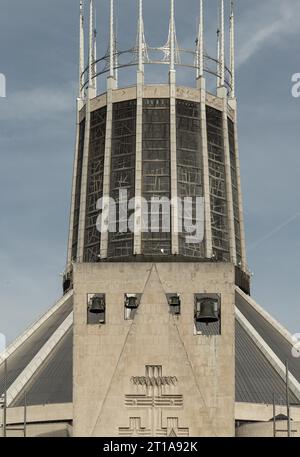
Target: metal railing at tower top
point(170, 54)
point(130, 56)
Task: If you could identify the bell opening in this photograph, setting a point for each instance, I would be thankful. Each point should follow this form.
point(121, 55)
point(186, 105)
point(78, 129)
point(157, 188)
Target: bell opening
point(174, 304)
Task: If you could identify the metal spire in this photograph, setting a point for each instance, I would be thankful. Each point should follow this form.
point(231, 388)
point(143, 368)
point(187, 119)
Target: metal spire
point(232, 49)
point(92, 86)
point(141, 48)
point(95, 56)
point(91, 43)
point(140, 38)
point(172, 36)
point(81, 52)
point(116, 60)
point(111, 40)
point(200, 43)
point(218, 59)
point(222, 44)
point(171, 49)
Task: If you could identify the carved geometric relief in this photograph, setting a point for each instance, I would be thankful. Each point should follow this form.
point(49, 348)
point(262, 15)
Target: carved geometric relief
point(173, 429)
point(135, 428)
point(155, 398)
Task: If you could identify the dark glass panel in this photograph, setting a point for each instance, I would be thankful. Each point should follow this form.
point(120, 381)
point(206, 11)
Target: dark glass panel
point(94, 184)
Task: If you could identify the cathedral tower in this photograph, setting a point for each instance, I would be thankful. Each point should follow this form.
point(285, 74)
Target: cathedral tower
point(156, 333)
point(156, 240)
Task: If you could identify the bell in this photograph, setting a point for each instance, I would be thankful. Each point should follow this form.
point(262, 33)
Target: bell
point(174, 300)
point(174, 303)
point(97, 305)
point(207, 311)
point(131, 302)
point(176, 310)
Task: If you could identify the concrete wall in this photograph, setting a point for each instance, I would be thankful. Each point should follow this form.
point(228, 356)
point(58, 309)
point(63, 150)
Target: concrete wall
point(42, 430)
point(107, 402)
point(255, 412)
point(42, 420)
point(265, 429)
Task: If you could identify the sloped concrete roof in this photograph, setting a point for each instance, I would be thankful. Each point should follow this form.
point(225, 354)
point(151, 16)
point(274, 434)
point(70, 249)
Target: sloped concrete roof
point(258, 370)
point(23, 351)
point(255, 378)
point(52, 383)
point(276, 340)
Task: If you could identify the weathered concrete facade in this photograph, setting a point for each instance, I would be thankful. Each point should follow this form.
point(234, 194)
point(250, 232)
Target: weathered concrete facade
point(266, 430)
point(199, 400)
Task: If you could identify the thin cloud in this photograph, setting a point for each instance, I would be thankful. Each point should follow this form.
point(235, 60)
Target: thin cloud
point(38, 103)
point(265, 24)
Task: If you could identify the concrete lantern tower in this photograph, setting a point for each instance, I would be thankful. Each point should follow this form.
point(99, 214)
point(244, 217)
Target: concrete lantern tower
point(153, 301)
point(156, 333)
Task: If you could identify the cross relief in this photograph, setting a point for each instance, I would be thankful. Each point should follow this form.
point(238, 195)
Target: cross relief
point(154, 399)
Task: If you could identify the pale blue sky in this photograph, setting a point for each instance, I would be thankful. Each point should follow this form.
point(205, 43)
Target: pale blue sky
point(38, 55)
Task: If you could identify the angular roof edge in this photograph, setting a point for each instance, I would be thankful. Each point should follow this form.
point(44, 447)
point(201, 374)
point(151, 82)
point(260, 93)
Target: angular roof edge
point(275, 361)
point(21, 381)
point(35, 326)
point(279, 327)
